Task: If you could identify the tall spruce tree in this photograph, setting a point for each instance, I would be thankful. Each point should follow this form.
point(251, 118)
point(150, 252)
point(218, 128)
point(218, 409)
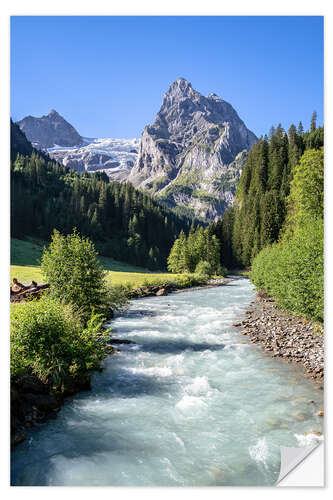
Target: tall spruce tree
point(260, 208)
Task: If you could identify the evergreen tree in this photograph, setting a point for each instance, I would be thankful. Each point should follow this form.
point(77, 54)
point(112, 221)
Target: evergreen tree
point(174, 259)
point(123, 222)
point(260, 209)
point(313, 124)
point(300, 129)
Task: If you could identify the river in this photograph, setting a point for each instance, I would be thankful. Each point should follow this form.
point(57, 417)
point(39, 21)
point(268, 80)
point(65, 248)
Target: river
point(192, 403)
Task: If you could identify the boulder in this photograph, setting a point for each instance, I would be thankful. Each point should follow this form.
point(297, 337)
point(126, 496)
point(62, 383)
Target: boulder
point(44, 402)
point(30, 383)
point(17, 435)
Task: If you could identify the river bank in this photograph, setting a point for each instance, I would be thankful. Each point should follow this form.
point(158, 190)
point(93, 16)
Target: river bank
point(285, 335)
point(187, 403)
point(167, 287)
point(33, 402)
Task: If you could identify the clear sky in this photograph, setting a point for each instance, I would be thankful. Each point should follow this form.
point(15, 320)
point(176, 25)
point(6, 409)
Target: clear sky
point(107, 75)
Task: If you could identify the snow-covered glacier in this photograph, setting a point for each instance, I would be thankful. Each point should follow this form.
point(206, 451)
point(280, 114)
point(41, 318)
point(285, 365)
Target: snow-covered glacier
point(115, 157)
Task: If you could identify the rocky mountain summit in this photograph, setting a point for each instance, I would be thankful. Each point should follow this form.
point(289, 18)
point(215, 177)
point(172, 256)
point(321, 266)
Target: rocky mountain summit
point(191, 156)
point(49, 130)
point(194, 152)
point(59, 139)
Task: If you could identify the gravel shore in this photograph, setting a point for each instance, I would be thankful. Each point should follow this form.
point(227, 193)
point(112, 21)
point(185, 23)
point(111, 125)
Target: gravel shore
point(285, 335)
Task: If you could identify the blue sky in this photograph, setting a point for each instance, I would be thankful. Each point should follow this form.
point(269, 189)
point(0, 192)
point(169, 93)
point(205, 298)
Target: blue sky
point(107, 75)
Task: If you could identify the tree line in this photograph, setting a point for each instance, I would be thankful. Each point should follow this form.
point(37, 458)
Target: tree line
point(292, 269)
point(124, 223)
point(276, 225)
point(260, 209)
point(198, 252)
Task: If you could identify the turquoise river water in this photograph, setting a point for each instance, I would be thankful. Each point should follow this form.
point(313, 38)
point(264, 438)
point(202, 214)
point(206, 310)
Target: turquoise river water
point(192, 403)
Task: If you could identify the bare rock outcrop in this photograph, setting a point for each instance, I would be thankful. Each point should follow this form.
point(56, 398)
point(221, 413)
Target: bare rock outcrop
point(194, 152)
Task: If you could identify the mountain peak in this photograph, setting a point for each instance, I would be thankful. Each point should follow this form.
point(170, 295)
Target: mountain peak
point(214, 96)
point(53, 113)
point(180, 88)
point(181, 82)
point(190, 155)
point(48, 130)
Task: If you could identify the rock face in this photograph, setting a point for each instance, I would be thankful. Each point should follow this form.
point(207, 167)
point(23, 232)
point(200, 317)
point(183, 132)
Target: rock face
point(192, 155)
point(49, 130)
point(194, 152)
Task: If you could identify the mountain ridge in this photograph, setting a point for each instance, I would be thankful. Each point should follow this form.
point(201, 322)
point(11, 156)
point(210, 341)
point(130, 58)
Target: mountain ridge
point(191, 156)
point(49, 130)
point(184, 156)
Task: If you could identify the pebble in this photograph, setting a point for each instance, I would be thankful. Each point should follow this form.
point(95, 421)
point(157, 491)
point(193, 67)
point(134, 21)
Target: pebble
point(285, 335)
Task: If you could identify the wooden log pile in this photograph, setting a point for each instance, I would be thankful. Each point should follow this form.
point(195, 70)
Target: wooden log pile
point(20, 292)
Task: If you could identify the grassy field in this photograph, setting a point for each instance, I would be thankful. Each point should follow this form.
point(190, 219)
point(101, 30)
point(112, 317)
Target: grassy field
point(25, 266)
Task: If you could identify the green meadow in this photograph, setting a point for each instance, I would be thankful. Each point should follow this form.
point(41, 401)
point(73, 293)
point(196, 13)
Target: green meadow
point(25, 265)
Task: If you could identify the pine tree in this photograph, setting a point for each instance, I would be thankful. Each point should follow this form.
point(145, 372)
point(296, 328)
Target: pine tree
point(313, 124)
point(174, 259)
point(300, 129)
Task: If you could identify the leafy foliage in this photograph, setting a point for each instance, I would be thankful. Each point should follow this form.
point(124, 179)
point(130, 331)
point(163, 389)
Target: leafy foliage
point(262, 193)
point(75, 275)
point(292, 271)
point(306, 197)
point(187, 252)
point(203, 268)
point(49, 341)
point(184, 280)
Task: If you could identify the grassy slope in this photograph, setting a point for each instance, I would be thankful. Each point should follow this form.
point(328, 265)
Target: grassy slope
point(25, 265)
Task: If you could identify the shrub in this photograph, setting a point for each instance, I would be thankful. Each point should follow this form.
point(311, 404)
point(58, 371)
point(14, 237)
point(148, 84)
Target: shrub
point(48, 340)
point(203, 268)
point(71, 267)
point(188, 280)
point(292, 271)
point(181, 281)
point(223, 271)
point(116, 297)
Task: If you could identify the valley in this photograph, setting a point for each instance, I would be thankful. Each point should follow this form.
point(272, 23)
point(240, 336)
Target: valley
point(191, 157)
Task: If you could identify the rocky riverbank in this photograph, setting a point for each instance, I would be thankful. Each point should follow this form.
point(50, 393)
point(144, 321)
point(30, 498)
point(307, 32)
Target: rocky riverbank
point(285, 335)
point(165, 289)
point(33, 402)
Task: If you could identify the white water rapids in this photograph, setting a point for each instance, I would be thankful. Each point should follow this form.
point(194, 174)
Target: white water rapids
point(192, 403)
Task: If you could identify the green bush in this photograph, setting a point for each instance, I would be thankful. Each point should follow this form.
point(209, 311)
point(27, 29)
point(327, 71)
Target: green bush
point(292, 271)
point(49, 341)
point(188, 280)
point(203, 268)
point(71, 267)
point(223, 271)
point(182, 281)
point(117, 296)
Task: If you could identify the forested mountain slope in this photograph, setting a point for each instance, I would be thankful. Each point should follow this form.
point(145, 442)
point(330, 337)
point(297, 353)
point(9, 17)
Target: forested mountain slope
point(259, 212)
point(125, 223)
